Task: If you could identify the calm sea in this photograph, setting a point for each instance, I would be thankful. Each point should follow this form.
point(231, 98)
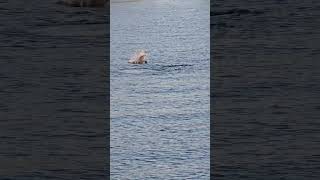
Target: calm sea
point(160, 110)
point(266, 89)
point(53, 91)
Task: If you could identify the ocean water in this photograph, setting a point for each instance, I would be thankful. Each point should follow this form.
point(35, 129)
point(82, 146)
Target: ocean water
point(160, 110)
point(266, 89)
point(53, 109)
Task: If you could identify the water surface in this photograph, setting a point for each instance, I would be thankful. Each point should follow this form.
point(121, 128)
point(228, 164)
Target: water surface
point(266, 89)
point(53, 90)
point(160, 110)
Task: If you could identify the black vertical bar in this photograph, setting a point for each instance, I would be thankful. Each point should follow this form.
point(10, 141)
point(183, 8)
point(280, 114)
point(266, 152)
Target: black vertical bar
point(211, 93)
point(108, 88)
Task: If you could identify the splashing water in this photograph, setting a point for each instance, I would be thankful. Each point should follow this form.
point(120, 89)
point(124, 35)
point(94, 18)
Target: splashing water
point(139, 57)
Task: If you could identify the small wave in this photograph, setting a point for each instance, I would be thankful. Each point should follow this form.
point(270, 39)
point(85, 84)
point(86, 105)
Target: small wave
point(150, 68)
point(237, 12)
point(124, 1)
point(82, 3)
point(176, 65)
point(169, 68)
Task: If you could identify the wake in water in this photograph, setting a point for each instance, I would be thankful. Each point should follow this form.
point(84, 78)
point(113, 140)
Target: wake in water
point(139, 58)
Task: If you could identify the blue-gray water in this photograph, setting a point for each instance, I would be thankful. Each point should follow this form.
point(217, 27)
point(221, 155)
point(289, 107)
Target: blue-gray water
point(266, 89)
point(53, 91)
point(160, 110)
